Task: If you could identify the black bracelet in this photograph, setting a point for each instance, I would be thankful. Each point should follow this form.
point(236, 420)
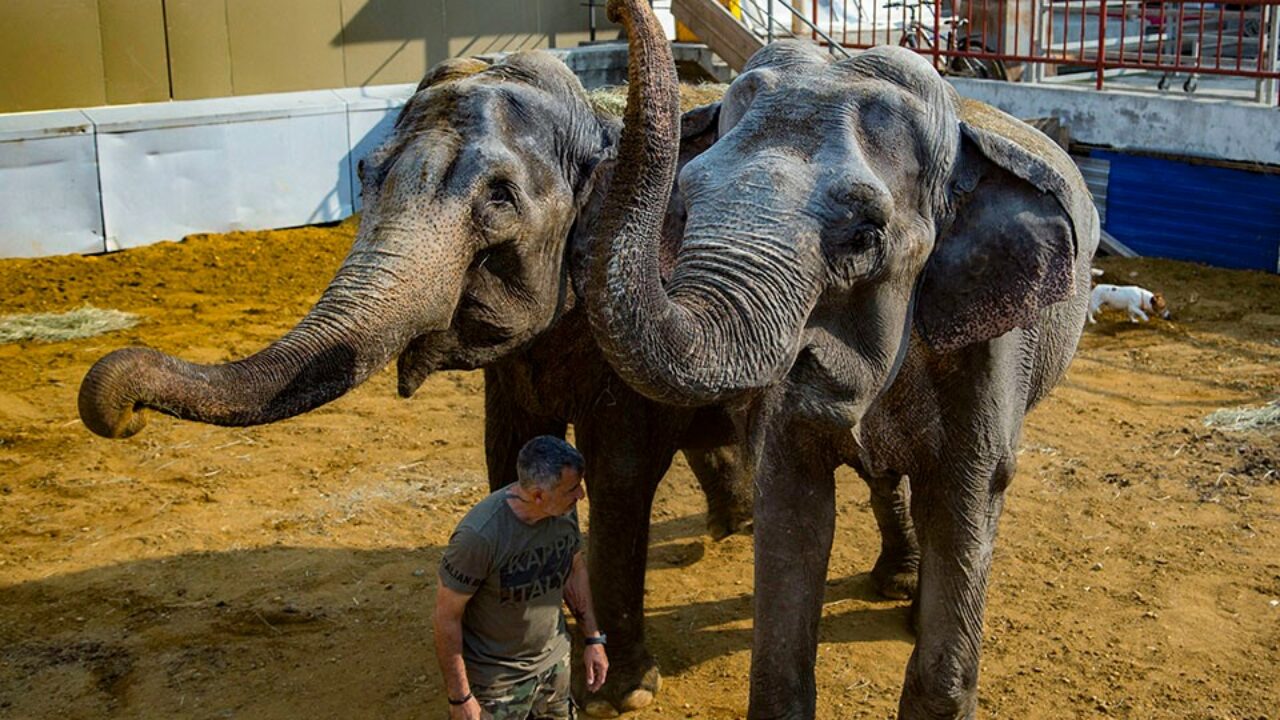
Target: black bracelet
point(462, 701)
point(600, 639)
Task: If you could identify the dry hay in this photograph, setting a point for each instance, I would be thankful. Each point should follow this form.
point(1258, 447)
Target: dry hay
point(1260, 418)
point(86, 322)
point(692, 96)
point(612, 100)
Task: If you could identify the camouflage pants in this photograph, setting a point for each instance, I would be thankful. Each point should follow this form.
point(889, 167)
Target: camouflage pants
point(543, 697)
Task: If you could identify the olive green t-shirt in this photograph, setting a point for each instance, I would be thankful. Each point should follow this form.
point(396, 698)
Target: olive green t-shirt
point(513, 626)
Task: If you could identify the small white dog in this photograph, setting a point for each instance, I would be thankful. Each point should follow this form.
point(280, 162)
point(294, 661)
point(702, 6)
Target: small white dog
point(1135, 301)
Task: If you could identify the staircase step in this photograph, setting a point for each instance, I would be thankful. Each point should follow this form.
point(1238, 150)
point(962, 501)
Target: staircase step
point(719, 29)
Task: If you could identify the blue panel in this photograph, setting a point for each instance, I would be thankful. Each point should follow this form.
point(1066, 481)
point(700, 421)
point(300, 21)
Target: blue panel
point(1227, 218)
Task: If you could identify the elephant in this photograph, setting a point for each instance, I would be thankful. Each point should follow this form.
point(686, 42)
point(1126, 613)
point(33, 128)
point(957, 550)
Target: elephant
point(469, 255)
point(866, 260)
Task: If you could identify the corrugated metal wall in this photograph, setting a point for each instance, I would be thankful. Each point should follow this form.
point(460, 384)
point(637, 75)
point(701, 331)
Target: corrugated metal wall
point(1223, 217)
point(1095, 172)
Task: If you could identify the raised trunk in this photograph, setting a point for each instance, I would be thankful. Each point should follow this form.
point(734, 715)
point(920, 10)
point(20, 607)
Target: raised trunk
point(708, 339)
point(359, 324)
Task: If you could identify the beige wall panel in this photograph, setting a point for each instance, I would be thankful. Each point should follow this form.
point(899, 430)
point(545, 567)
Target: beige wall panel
point(391, 41)
point(133, 50)
point(50, 55)
point(284, 45)
point(199, 51)
point(477, 28)
point(566, 23)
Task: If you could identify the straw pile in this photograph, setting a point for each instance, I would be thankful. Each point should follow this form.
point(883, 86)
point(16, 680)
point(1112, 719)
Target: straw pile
point(1260, 418)
point(613, 100)
point(57, 327)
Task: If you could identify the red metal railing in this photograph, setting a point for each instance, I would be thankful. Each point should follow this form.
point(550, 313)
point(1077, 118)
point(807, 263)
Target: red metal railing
point(1107, 38)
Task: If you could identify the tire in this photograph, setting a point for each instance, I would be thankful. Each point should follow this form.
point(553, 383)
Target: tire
point(995, 69)
point(982, 68)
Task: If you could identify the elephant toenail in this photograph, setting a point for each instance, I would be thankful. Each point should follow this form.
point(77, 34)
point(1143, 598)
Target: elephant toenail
point(636, 699)
point(600, 709)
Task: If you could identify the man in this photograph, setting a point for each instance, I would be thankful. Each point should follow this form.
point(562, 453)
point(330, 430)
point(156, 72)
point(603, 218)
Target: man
point(510, 565)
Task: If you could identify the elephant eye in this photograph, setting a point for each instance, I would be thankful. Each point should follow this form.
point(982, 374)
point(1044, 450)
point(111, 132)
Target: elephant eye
point(498, 210)
point(502, 192)
point(852, 239)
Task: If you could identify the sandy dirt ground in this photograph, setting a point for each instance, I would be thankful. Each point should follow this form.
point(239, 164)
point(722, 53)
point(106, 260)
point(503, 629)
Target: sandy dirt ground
point(289, 571)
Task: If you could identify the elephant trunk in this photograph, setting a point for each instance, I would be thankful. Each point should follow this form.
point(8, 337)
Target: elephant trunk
point(683, 346)
point(358, 325)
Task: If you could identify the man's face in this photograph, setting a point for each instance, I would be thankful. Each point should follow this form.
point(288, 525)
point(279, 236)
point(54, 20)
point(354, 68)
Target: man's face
point(565, 495)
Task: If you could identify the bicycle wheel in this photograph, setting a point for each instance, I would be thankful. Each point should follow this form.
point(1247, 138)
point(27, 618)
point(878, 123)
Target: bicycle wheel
point(982, 68)
point(993, 69)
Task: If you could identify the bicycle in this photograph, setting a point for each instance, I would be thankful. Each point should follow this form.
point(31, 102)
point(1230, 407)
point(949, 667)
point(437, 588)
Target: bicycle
point(949, 47)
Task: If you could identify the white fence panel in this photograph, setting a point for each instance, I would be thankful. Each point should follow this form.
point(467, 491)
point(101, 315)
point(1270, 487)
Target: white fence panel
point(49, 201)
point(172, 169)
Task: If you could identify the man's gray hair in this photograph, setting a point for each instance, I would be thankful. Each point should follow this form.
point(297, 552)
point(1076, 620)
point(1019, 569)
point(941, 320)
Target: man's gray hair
point(543, 459)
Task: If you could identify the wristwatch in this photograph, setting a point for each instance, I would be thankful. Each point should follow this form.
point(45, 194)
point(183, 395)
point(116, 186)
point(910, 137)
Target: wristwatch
point(600, 639)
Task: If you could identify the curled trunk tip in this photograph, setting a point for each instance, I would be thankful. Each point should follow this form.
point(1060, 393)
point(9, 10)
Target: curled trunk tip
point(110, 399)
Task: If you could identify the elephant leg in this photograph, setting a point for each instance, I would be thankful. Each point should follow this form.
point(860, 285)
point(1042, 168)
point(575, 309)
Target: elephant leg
point(897, 569)
point(794, 525)
point(507, 427)
point(956, 511)
point(628, 448)
point(727, 485)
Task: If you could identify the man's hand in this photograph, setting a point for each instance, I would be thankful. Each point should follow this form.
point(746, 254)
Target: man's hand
point(578, 594)
point(469, 710)
point(596, 662)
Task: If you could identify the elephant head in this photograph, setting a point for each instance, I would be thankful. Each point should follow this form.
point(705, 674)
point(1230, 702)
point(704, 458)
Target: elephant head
point(844, 206)
point(459, 258)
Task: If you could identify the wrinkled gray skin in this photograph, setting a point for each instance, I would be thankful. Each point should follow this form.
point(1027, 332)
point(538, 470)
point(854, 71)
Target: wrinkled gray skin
point(464, 259)
point(866, 260)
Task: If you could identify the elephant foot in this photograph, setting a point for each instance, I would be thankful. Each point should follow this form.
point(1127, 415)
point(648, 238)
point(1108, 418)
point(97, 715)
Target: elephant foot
point(624, 691)
point(896, 577)
point(724, 522)
point(948, 703)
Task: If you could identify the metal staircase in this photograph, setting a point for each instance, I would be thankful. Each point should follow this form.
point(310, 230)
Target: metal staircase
point(735, 40)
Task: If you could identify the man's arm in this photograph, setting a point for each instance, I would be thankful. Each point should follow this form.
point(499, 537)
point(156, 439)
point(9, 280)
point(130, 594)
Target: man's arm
point(577, 594)
point(450, 606)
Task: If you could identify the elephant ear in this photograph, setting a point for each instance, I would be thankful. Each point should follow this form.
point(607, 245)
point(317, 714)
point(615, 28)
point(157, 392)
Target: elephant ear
point(1019, 214)
point(698, 131)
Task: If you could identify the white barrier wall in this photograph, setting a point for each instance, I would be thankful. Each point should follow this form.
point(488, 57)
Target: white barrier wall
point(49, 201)
point(117, 177)
point(249, 163)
